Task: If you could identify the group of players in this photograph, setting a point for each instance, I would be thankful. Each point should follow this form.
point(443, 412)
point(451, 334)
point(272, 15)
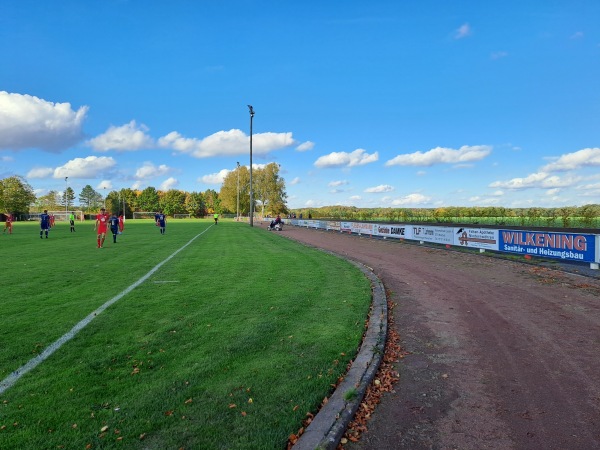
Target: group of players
point(103, 221)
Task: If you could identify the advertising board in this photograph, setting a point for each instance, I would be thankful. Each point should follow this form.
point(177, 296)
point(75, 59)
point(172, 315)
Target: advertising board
point(476, 238)
point(568, 246)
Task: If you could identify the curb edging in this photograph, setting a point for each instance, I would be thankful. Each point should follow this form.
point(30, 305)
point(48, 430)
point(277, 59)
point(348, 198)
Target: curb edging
point(328, 426)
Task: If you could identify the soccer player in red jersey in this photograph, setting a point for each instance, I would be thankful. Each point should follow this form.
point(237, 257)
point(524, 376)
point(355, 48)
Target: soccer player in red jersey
point(121, 221)
point(8, 223)
point(101, 226)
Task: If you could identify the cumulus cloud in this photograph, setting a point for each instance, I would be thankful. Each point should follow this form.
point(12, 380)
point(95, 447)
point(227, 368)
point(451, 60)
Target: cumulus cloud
point(90, 167)
point(380, 188)
point(215, 178)
point(358, 157)
point(30, 122)
point(337, 183)
point(442, 155)
point(411, 199)
point(105, 186)
point(463, 31)
point(149, 170)
point(169, 183)
point(587, 157)
point(308, 145)
point(295, 181)
point(227, 143)
point(127, 137)
point(40, 172)
point(542, 180)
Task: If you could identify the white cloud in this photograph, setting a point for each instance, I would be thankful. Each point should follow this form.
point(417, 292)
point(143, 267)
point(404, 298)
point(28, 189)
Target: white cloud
point(215, 178)
point(420, 173)
point(169, 183)
point(89, 167)
point(358, 157)
point(540, 180)
point(337, 183)
point(462, 31)
point(586, 157)
point(411, 199)
point(149, 170)
point(380, 188)
point(356, 197)
point(442, 155)
point(105, 187)
point(577, 35)
point(6, 158)
point(295, 181)
point(40, 172)
point(305, 146)
point(227, 143)
point(126, 137)
point(498, 55)
point(30, 122)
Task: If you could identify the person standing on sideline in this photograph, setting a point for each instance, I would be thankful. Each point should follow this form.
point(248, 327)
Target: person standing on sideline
point(114, 226)
point(8, 223)
point(52, 220)
point(161, 221)
point(72, 222)
point(101, 224)
point(44, 223)
point(121, 222)
point(216, 219)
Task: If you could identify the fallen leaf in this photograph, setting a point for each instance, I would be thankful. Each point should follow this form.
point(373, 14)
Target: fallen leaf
point(189, 400)
point(232, 405)
point(104, 428)
point(169, 413)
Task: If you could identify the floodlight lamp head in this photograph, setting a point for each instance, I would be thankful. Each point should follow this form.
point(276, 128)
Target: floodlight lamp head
point(251, 110)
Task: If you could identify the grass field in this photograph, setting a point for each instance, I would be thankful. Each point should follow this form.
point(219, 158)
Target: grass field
point(228, 344)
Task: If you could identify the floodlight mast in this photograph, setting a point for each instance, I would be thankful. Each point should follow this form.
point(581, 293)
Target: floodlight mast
point(238, 192)
point(251, 191)
point(66, 199)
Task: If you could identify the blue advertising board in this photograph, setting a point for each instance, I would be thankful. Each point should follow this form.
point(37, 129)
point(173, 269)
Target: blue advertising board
point(567, 246)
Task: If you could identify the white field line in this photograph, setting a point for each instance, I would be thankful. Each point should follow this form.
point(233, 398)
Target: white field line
point(10, 380)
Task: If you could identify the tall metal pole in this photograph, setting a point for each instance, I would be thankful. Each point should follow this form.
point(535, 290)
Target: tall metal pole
point(66, 199)
point(251, 191)
point(238, 193)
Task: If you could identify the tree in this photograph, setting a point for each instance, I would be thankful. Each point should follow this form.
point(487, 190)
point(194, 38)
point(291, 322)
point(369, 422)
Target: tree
point(270, 190)
point(16, 195)
point(229, 191)
point(68, 198)
point(172, 202)
point(211, 199)
point(148, 200)
point(90, 199)
point(51, 201)
point(194, 204)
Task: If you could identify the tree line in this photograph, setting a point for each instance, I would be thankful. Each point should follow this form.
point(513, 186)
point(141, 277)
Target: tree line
point(269, 194)
point(586, 216)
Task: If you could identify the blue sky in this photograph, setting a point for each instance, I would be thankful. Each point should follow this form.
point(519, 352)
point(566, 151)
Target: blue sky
point(372, 104)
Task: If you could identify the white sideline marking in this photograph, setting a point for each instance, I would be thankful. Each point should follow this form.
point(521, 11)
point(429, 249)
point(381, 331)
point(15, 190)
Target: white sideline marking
point(10, 380)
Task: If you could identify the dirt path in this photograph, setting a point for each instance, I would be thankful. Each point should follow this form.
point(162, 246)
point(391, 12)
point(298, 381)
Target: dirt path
point(502, 355)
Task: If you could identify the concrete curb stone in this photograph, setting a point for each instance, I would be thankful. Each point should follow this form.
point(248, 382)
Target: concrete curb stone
point(328, 426)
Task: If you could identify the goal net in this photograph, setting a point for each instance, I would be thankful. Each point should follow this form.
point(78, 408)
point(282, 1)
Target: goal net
point(144, 214)
point(182, 216)
point(63, 216)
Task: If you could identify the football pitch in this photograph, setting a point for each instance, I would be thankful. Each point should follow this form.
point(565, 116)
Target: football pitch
point(206, 337)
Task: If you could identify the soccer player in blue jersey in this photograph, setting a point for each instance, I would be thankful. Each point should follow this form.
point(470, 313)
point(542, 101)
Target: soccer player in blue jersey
point(113, 222)
point(44, 223)
point(161, 221)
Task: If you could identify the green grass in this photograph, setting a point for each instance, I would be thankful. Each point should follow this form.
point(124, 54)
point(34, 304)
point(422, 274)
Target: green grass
point(227, 345)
